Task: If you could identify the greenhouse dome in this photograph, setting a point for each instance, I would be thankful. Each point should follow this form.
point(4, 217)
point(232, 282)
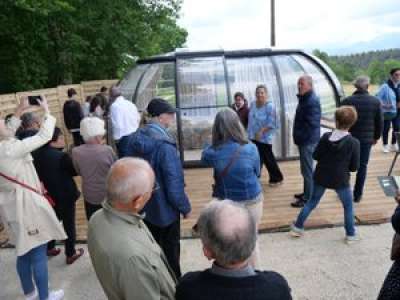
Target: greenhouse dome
point(199, 84)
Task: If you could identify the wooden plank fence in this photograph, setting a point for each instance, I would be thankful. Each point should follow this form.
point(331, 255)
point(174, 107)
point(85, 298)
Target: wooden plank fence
point(56, 98)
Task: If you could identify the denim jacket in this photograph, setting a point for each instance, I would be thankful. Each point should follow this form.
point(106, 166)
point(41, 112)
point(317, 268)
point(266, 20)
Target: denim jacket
point(261, 117)
point(241, 181)
point(387, 97)
point(154, 144)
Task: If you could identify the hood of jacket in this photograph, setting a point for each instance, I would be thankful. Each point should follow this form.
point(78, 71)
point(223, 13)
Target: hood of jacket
point(336, 145)
point(149, 138)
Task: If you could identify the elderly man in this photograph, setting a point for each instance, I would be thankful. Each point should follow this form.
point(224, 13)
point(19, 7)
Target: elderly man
point(92, 162)
point(128, 261)
point(367, 129)
point(125, 119)
point(228, 234)
point(306, 134)
point(155, 144)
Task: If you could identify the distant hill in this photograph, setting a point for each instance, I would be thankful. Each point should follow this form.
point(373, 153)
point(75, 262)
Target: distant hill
point(364, 59)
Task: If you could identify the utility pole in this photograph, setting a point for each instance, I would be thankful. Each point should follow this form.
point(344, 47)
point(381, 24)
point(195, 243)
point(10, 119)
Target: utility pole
point(273, 42)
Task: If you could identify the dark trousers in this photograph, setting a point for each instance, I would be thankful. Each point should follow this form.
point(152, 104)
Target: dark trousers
point(169, 240)
point(90, 209)
point(78, 140)
point(66, 214)
point(267, 158)
point(122, 146)
point(395, 128)
point(365, 150)
point(391, 286)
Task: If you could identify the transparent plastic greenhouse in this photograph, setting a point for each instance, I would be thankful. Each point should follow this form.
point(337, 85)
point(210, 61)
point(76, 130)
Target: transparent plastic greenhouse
point(201, 83)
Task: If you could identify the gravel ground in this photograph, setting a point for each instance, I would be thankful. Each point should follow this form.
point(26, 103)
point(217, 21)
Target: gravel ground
point(318, 266)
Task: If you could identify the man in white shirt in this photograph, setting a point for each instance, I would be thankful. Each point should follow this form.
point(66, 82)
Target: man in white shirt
point(125, 119)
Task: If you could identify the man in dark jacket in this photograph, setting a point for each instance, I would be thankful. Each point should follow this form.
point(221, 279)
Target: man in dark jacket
point(306, 134)
point(73, 116)
point(154, 144)
point(228, 234)
point(367, 129)
point(242, 108)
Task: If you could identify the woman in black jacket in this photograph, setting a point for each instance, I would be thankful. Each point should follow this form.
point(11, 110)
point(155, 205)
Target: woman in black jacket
point(391, 286)
point(337, 154)
point(55, 170)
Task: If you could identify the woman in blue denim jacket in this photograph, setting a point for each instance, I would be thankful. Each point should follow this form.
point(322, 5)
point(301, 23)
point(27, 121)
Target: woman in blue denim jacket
point(236, 165)
point(389, 95)
point(262, 126)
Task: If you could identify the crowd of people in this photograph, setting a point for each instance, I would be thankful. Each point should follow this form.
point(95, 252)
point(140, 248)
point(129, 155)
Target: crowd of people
point(134, 194)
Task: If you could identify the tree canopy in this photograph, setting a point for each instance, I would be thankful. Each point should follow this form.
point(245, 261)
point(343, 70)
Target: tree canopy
point(46, 43)
point(375, 64)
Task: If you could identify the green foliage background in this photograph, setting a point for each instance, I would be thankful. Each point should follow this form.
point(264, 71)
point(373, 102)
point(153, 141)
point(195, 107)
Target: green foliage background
point(375, 64)
point(44, 43)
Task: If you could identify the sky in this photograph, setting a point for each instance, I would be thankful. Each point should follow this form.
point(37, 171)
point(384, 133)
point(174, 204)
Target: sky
point(338, 26)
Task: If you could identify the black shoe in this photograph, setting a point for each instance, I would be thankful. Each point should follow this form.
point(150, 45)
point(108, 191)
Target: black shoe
point(299, 196)
point(357, 199)
point(299, 203)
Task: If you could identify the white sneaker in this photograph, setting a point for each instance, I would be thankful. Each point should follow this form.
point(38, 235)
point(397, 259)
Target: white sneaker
point(386, 149)
point(296, 232)
point(352, 239)
point(56, 295)
point(32, 296)
point(394, 148)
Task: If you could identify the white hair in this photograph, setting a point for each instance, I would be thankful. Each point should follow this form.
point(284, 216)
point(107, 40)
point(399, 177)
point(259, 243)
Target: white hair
point(308, 78)
point(91, 127)
point(128, 179)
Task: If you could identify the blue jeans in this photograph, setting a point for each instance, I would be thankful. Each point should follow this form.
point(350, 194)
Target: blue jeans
point(345, 196)
point(365, 150)
point(34, 264)
point(307, 169)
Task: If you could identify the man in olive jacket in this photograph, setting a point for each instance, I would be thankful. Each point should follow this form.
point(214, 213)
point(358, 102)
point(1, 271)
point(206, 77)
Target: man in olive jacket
point(128, 261)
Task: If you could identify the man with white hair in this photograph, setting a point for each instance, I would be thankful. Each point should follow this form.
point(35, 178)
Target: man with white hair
point(128, 261)
point(92, 161)
point(306, 134)
point(367, 129)
point(228, 234)
point(125, 119)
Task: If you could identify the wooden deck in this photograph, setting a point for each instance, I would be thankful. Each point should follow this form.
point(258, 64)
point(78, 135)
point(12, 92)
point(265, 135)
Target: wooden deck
point(278, 215)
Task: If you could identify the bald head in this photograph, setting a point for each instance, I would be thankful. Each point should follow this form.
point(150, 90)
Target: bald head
point(228, 230)
point(128, 179)
point(305, 84)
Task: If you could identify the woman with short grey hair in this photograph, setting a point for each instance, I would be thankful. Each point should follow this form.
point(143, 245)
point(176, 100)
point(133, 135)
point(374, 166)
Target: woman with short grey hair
point(236, 165)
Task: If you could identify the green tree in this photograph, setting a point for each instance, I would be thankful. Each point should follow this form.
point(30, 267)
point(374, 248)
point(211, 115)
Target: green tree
point(376, 71)
point(45, 43)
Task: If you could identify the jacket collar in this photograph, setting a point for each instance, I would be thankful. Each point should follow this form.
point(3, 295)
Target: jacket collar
point(130, 218)
point(158, 132)
point(306, 96)
point(360, 92)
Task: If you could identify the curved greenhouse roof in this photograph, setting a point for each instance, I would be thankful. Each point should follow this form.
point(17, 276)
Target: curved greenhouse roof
point(201, 83)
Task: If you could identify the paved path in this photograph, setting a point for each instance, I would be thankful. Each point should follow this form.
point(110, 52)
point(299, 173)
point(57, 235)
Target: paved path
point(318, 266)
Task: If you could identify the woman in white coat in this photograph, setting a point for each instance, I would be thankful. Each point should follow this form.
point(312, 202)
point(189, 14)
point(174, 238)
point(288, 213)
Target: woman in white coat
point(27, 214)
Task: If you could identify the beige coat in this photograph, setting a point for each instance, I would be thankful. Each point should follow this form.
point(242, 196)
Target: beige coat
point(29, 217)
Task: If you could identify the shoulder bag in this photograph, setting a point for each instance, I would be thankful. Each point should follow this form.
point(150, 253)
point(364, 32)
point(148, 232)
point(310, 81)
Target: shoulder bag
point(42, 193)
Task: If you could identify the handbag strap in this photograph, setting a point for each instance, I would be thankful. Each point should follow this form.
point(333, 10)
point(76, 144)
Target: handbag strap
point(21, 184)
point(234, 157)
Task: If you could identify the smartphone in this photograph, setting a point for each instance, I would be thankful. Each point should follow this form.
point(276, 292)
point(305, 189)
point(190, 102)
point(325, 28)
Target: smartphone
point(33, 100)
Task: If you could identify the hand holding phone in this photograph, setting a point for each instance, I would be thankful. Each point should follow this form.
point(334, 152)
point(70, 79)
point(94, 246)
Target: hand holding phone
point(34, 100)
